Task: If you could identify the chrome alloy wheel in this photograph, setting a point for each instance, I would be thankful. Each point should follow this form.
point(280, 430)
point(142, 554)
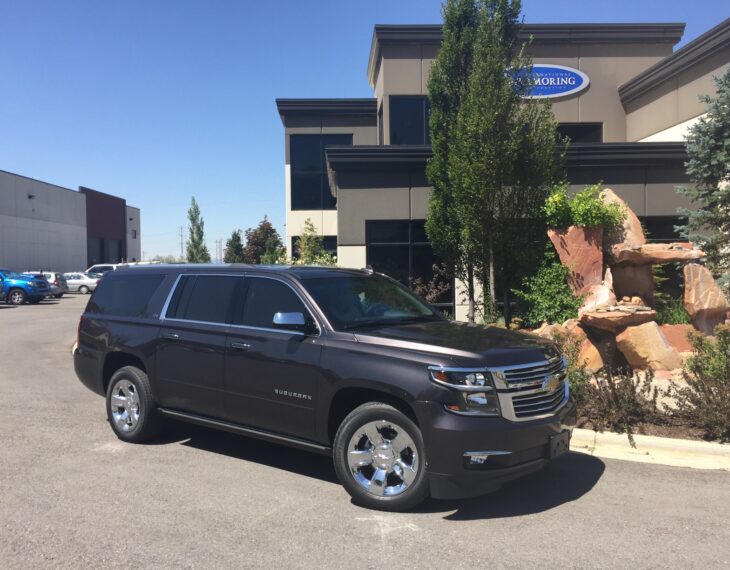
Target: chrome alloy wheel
point(125, 406)
point(382, 458)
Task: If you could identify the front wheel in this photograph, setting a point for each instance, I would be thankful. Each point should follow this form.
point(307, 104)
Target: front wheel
point(130, 406)
point(16, 297)
point(379, 458)
point(84, 290)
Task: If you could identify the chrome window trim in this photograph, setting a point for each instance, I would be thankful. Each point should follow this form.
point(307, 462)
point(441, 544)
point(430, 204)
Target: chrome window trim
point(263, 329)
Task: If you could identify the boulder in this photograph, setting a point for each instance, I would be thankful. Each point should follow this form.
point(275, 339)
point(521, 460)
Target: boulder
point(597, 296)
point(549, 331)
point(677, 336)
point(645, 346)
point(615, 320)
point(589, 353)
point(634, 281)
point(631, 233)
point(703, 299)
point(580, 251)
point(651, 253)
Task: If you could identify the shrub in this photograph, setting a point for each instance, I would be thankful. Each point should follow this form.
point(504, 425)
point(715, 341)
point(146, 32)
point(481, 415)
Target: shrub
point(705, 401)
point(671, 312)
point(584, 209)
point(545, 295)
point(578, 375)
point(619, 403)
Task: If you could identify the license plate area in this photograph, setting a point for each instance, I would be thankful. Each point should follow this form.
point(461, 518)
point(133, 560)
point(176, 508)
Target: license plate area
point(558, 444)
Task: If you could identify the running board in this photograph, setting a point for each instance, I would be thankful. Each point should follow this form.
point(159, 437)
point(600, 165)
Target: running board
point(248, 431)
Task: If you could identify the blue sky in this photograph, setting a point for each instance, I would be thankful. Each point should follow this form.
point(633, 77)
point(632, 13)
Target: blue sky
point(156, 101)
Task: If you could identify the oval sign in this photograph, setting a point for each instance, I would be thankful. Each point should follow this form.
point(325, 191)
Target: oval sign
point(550, 81)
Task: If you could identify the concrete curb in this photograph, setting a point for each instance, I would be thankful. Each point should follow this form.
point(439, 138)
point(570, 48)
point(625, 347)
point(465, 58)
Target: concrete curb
point(651, 449)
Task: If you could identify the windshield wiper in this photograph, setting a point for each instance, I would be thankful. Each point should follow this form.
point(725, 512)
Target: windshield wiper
point(390, 322)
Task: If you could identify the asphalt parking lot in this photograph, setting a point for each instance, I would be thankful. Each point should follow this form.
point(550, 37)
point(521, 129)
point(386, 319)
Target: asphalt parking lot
point(73, 495)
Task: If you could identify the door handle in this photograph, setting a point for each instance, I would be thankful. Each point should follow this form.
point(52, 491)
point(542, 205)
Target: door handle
point(171, 336)
point(240, 345)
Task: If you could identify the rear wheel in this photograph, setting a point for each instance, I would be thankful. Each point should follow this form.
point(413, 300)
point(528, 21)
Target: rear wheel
point(379, 458)
point(59, 295)
point(84, 290)
point(16, 297)
point(130, 406)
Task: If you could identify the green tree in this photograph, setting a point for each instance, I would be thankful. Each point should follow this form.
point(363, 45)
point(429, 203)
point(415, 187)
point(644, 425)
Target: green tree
point(234, 248)
point(311, 247)
point(708, 167)
point(260, 239)
point(275, 253)
point(446, 89)
point(503, 153)
point(196, 250)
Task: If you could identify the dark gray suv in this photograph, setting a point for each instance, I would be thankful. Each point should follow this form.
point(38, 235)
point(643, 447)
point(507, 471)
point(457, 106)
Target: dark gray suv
point(340, 362)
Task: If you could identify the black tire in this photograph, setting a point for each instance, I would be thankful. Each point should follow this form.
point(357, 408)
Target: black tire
point(16, 297)
point(378, 412)
point(84, 290)
point(148, 423)
point(59, 295)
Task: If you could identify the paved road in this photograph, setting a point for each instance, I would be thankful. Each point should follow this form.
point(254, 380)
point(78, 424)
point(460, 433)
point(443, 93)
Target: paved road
point(72, 495)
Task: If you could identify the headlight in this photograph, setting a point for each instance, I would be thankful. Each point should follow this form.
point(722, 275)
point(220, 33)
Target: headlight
point(31, 284)
point(473, 388)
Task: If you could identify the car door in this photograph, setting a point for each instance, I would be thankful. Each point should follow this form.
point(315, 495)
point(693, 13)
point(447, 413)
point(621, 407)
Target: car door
point(272, 373)
point(190, 355)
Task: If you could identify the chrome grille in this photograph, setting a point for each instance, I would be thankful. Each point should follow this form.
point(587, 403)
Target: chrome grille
point(538, 403)
point(532, 374)
point(533, 390)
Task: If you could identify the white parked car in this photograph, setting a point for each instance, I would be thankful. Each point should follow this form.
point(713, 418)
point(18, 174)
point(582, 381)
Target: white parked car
point(81, 282)
point(56, 281)
point(102, 268)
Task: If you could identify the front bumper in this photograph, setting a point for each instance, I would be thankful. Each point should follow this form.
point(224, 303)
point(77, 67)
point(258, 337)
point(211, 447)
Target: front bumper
point(521, 448)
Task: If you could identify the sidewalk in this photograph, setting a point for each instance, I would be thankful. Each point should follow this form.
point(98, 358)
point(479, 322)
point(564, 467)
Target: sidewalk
point(651, 449)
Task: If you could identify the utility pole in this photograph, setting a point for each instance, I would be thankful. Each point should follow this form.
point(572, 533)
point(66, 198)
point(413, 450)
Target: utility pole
point(181, 243)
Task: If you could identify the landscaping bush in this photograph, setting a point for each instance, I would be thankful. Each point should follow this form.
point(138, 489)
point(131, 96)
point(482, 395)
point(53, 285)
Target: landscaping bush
point(671, 312)
point(619, 403)
point(584, 209)
point(705, 401)
point(545, 294)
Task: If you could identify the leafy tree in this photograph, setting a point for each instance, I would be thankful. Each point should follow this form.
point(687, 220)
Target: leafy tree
point(234, 248)
point(196, 250)
point(275, 252)
point(167, 259)
point(311, 247)
point(446, 90)
point(708, 167)
point(260, 238)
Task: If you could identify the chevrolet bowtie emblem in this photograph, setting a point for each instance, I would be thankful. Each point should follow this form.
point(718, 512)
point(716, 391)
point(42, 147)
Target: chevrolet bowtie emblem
point(550, 383)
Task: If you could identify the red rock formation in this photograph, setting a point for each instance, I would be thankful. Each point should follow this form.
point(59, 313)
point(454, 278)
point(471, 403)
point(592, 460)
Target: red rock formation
point(580, 250)
point(703, 299)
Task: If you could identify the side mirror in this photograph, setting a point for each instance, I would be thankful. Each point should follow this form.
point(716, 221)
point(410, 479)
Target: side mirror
point(289, 320)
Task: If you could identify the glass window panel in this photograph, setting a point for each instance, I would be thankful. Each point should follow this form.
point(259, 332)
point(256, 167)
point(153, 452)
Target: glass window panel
point(124, 296)
point(386, 231)
point(408, 120)
point(209, 299)
point(265, 298)
point(306, 191)
point(418, 231)
point(305, 153)
point(389, 259)
point(582, 132)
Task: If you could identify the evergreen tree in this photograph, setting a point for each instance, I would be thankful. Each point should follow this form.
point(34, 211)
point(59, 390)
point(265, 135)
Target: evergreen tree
point(234, 248)
point(260, 238)
point(502, 155)
point(708, 167)
point(196, 250)
point(446, 90)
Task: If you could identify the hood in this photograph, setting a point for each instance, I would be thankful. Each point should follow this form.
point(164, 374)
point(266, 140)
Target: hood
point(492, 346)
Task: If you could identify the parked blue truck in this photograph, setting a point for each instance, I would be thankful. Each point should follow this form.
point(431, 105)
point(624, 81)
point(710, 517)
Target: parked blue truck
point(16, 289)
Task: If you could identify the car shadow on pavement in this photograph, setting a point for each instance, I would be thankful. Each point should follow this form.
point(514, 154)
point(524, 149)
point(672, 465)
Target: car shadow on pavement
point(250, 449)
point(564, 480)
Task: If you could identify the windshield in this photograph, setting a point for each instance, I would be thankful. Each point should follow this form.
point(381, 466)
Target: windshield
point(354, 301)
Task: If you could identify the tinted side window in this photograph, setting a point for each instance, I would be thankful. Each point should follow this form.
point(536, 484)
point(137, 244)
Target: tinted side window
point(205, 298)
point(124, 295)
point(265, 298)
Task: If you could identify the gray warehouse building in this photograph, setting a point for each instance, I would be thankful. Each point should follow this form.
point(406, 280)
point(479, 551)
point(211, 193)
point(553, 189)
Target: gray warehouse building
point(45, 226)
point(624, 97)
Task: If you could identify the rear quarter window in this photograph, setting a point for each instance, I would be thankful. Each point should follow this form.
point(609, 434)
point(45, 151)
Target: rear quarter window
point(124, 295)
